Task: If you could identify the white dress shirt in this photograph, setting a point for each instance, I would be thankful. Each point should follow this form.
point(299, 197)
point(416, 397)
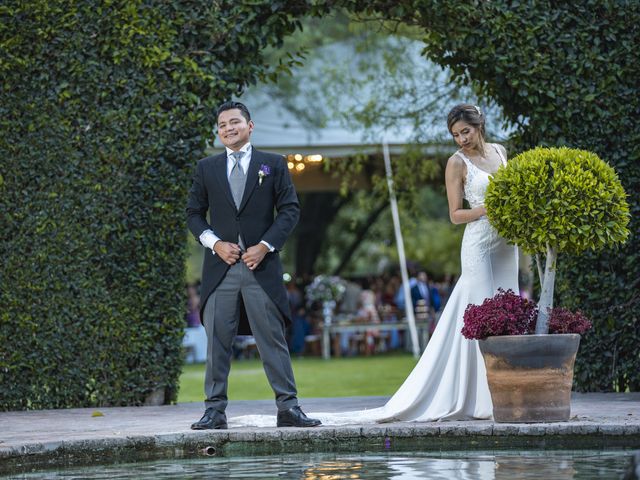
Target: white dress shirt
point(208, 238)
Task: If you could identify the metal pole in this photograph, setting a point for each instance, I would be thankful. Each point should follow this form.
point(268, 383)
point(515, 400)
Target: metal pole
point(408, 304)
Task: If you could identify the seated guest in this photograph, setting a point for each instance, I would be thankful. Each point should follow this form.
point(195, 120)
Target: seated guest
point(368, 313)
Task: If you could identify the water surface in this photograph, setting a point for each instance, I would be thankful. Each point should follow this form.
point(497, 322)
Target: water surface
point(504, 465)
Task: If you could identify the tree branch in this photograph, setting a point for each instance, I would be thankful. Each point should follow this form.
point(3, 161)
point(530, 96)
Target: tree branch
point(361, 233)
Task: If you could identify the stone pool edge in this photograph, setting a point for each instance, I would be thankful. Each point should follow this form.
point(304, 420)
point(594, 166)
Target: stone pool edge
point(277, 441)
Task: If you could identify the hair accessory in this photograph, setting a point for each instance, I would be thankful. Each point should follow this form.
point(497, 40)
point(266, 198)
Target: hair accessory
point(477, 109)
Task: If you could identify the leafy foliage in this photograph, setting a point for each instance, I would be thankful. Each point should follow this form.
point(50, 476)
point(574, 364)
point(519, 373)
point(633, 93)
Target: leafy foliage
point(563, 320)
point(563, 74)
point(104, 109)
point(430, 239)
point(507, 313)
point(567, 198)
point(105, 106)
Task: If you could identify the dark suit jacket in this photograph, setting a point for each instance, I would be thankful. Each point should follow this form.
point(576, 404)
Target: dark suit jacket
point(255, 220)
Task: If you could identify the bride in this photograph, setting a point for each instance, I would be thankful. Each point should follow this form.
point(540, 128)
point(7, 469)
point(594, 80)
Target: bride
point(449, 381)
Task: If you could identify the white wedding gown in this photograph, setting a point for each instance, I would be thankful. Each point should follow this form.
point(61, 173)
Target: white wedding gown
point(449, 381)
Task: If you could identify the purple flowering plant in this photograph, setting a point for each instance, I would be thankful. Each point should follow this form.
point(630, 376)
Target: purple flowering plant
point(507, 313)
point(562, 320)
point(263, 172)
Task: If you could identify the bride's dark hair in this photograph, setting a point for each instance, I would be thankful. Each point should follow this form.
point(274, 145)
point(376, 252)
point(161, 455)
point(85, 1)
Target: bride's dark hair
point(469, 114)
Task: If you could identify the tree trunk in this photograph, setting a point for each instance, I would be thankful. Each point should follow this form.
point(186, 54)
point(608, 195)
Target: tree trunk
point(546, 295)
point(361, 233)
point(318, 209)
point(540, 272)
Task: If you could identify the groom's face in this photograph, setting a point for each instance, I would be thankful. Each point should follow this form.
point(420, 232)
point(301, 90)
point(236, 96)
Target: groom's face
point(233, 129)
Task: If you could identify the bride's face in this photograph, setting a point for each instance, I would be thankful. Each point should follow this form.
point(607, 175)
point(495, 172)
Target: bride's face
point(466, 136)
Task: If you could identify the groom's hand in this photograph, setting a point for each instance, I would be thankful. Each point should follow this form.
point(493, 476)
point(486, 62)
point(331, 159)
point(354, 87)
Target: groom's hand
point(254, 255)
point(227, 251)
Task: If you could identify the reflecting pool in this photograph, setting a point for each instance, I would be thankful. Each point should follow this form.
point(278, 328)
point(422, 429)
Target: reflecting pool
point(501, 465)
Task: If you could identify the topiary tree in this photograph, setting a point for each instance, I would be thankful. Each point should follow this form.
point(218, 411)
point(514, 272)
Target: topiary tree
point(552, 200)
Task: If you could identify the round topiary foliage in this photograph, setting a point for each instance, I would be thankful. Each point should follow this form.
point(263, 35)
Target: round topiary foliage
point(563, 198)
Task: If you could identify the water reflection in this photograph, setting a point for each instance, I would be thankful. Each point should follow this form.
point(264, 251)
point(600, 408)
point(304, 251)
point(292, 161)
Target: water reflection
point(332, 470)
point(544, 466)
point(550, 465)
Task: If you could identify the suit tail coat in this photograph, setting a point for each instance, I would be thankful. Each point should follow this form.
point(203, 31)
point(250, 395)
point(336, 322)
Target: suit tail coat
point(269, 211)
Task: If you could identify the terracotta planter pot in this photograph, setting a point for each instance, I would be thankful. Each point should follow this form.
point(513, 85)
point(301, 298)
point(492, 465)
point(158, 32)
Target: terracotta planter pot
point(530, 376)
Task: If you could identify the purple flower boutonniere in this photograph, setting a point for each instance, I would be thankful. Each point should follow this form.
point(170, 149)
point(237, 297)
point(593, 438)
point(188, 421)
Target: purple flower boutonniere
point(263, 172)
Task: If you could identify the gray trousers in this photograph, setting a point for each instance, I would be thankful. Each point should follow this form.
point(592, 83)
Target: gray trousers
point(221, 318)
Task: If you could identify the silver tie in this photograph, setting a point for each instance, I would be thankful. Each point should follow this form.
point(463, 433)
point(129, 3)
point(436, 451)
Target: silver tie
point(237, 181)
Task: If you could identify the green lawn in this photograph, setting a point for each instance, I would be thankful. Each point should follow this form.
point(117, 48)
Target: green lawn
point(338, 377)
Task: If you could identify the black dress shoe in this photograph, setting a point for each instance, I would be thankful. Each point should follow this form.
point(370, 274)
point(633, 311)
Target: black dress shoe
point(211, 420)
point(295, 417)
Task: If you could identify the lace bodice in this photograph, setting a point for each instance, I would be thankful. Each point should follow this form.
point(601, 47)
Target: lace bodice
point(477, 180)
point(480, 238)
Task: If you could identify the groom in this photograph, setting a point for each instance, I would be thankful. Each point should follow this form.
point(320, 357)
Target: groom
point(242, 274)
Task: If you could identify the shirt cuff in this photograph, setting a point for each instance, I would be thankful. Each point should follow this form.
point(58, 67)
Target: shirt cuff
point(271, 248)
point(208, 239)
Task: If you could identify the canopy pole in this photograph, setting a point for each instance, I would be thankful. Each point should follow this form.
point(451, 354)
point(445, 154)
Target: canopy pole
point(408, 304)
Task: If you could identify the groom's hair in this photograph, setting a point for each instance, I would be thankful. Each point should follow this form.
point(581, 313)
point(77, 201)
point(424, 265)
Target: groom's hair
point(230, 106)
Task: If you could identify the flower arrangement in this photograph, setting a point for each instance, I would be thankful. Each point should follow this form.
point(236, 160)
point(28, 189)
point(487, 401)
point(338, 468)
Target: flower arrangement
point(507, 313)
point(325, 288)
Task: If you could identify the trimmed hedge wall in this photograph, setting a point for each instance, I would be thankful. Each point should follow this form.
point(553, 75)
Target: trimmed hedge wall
point(104, 109)
point(565, 73)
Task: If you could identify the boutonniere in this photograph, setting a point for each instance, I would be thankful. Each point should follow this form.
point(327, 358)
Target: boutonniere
point(263, 172)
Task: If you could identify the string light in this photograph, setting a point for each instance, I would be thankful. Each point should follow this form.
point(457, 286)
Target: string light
point(297, 161)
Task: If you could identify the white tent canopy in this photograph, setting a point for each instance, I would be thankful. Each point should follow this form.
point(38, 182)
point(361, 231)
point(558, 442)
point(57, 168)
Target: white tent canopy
point(313, 115)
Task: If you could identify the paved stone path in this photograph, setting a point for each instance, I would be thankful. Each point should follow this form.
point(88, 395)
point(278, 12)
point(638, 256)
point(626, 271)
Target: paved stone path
point(76, 436)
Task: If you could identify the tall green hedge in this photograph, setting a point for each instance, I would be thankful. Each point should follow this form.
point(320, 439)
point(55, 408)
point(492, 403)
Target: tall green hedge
point(104, 109)
point(105, 106)
point(565, 73)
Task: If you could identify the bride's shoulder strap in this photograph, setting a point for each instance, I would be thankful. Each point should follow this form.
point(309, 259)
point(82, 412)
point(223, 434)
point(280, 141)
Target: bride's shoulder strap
point(461, 155)
point(500, 154)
